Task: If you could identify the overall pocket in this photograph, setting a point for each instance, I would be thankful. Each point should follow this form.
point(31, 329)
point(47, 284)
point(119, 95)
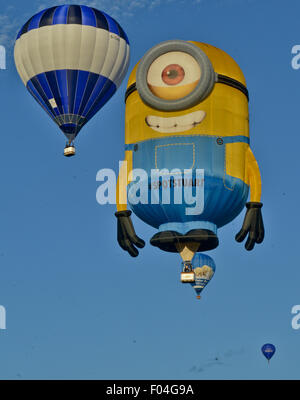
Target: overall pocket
point(175, 155)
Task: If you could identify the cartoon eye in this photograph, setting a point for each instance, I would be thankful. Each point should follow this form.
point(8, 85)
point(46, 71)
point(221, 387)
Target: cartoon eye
point(173, 75)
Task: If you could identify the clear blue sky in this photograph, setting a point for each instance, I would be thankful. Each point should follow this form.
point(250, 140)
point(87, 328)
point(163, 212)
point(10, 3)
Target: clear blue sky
point(77, 305)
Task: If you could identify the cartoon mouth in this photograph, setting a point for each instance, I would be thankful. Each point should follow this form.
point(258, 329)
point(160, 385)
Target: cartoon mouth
point(175, 124)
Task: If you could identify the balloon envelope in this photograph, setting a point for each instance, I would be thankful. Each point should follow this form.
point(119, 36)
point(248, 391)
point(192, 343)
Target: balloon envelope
point(268, 350)
point(204, 268)
point(71, 59)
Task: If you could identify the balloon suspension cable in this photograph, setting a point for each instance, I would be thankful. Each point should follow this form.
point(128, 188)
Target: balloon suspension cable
point(70, 143)
point(187, 251)
point(69, 150)
point(187, 266)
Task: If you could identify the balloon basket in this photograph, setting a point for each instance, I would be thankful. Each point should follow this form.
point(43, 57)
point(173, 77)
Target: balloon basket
point(187, 277)
point(69, 151)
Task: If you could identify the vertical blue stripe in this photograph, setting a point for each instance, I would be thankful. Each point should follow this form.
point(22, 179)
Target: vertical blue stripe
point(51, 79)
point(60, 15)
point(35, 22)
point(102, 99)
point(44, 84)
point(24, 28)
point(41, 90)
point(81, 85)
point(72, 77)
point(47, 18)
point(112, 25)
point(91, 82)
point(97, 90)
point(101, 21)
point(88, 16)
point(74, 15)
point(122, 34)
point(61, 76)
point(40, 97)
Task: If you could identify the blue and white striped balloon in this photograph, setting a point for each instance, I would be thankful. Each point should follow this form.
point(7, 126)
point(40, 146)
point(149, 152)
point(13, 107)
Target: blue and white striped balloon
point(72, 59)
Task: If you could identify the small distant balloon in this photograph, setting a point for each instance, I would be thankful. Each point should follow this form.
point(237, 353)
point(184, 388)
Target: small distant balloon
point(204, 269)
point(268, 351)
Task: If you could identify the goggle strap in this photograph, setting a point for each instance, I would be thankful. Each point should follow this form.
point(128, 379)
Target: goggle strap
point(226, 80)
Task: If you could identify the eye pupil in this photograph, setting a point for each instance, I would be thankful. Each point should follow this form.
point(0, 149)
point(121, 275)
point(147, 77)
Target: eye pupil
point(173, 74)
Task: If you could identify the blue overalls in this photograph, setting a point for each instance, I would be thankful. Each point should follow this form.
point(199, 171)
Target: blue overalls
point(223, 196)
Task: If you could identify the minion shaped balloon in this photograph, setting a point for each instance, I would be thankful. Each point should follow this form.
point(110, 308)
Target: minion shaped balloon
point(188, 164)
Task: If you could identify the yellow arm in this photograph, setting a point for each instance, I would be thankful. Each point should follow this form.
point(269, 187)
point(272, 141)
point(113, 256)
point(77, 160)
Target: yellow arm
point(123, 181)
point(253, 225)
point(127, 237)
point(253, 178)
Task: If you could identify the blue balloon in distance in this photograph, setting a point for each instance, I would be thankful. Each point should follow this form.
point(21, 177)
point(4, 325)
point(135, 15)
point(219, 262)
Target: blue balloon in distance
point(72, 59)
point(268, 350)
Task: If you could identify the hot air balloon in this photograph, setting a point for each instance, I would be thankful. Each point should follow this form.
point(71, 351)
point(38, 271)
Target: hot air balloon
point(268, 351)
point(187, 129)
point(72, 59)
point(198, 272)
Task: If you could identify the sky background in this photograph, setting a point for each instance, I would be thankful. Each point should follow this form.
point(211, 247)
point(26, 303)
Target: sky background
point(78, 306)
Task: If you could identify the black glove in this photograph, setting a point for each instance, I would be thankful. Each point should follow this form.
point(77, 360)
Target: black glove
point(127, 237)
point(253, 224)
